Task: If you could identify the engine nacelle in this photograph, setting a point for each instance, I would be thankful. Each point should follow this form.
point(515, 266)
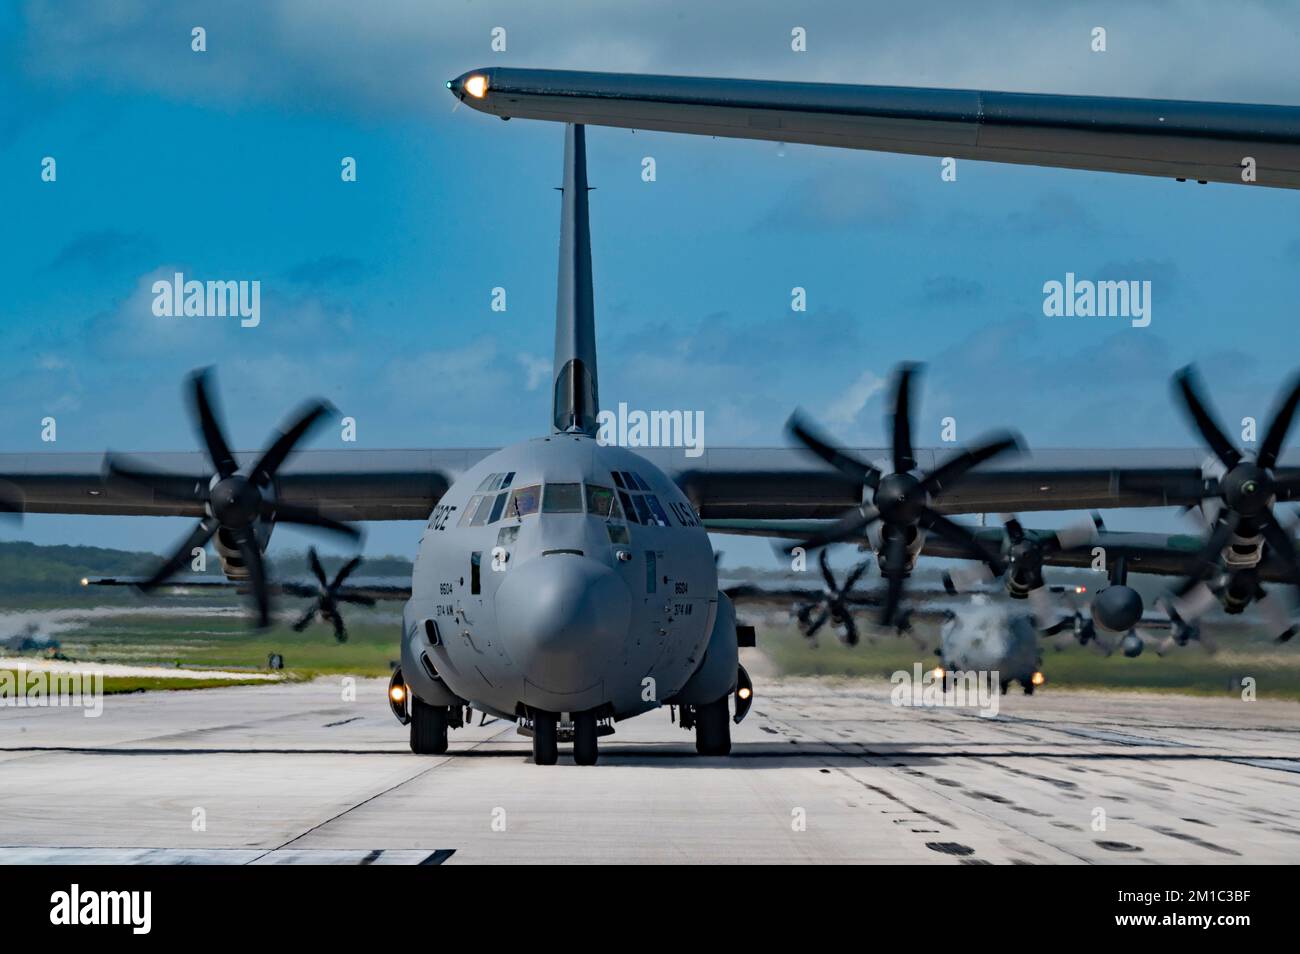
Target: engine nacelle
point(1117, 608)
point(232, 561)
point(915, 540)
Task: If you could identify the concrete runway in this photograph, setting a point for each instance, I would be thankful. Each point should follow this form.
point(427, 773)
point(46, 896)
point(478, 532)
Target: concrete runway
point(293, 773)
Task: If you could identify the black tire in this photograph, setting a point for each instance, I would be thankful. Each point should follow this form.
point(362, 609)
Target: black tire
point(428, 728)
point(585, 748)
point(713, 728)
point(546, 750)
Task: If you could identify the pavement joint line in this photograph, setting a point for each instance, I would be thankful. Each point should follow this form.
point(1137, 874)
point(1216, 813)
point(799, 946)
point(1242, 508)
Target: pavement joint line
point(445, 759)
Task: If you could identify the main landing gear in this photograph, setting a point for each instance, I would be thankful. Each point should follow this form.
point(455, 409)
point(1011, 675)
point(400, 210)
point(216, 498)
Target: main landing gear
point(713, 728)
point(428, 728)
point(545, 738)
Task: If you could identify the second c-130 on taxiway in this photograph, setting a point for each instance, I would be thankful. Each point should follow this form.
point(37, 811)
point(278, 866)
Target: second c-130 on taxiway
point(567, 585)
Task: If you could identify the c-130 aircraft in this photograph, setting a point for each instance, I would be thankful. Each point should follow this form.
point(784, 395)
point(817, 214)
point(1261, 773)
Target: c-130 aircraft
point(560, 580)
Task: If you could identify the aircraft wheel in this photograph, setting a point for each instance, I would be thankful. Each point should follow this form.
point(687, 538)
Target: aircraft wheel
point(584, 738)
point(1029, 688)
point(713, 728)
point(545, 747)
point(428, 728)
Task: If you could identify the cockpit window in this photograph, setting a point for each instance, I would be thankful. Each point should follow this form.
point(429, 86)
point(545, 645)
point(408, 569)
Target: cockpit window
point(498, 505)
point(562, 498)
point(486, 482)
point(640, 483)
point(524, 501)
point(505, 481)
point(643, 512)
point(618, 480)
point(484, 509)
point(657, 509)
point(599, 500)
point(471, 508)
point(627, 507)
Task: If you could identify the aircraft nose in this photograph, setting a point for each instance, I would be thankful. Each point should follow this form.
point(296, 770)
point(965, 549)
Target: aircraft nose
point(564, 617)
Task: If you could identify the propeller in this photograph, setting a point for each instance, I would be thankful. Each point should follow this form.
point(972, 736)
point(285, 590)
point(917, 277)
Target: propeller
point(1244, 492)
point(1025, 553)
point(833, 604)
point(327, 596)
point(900, 500)
point(234, 501)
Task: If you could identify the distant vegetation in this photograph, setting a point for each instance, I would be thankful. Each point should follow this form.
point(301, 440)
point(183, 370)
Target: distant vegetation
point(29, 569)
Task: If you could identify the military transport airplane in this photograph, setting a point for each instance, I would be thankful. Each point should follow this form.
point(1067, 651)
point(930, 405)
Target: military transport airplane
point(563, 581)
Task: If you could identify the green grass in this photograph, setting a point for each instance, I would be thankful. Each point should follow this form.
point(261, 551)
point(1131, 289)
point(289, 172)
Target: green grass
point(118, 685)
point(222, 642)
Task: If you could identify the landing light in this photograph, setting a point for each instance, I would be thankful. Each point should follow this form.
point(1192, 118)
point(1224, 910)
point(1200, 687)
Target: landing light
point(745, 692)
point(1038, 679)
point(936, 673)
point(477, 85)
point(397, 693)
point(85, 582)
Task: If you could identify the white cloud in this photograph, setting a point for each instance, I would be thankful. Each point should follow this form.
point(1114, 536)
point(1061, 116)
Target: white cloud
point(843, 411)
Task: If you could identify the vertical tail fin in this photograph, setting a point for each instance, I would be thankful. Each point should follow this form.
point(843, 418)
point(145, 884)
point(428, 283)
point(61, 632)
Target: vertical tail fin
point(576, 399)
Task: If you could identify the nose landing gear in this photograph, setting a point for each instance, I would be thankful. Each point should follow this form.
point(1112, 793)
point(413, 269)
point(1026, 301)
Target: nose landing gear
point(584, 738)
point(545, 738)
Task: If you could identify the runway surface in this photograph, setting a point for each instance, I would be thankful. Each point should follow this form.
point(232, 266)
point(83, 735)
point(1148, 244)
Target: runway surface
point(821, 772)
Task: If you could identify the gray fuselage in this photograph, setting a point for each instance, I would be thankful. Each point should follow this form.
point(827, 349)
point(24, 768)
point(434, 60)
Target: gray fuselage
point(560, 575)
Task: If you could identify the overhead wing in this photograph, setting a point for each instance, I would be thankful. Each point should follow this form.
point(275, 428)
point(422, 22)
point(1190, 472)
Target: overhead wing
point(790, 484)
point(1154, 137)
point(732, 483)
point(347, 484)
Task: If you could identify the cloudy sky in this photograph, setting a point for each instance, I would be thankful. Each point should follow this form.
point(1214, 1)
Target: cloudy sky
point(376, 294)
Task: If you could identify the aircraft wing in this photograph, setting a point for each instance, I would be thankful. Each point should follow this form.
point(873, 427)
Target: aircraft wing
point(732, 483)
point(1159, 554)
point(347, 484)
point(789, 483)
point(1155, 137)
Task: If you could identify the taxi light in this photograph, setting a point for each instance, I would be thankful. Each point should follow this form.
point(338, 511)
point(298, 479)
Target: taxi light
point(85, 581)
point(477, 85)
point(1038, 679)
point(936, 672)
point(745, 692)
point(397, 693)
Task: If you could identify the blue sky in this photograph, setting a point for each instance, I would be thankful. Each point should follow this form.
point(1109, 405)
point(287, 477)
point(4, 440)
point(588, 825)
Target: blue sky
point(376, 294)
